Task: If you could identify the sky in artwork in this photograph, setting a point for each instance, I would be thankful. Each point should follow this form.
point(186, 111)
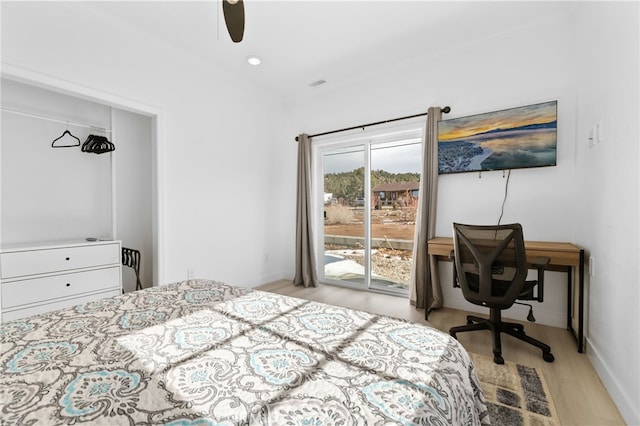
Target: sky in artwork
point(463, 127)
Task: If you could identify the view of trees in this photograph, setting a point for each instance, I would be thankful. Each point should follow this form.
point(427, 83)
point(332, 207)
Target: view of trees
point(350, 185)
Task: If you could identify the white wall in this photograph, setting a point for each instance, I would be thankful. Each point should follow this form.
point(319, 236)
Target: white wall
point(607, 219)
point(473, 78)
point(218, 132)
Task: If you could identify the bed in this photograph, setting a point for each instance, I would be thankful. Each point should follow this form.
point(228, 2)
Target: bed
point(201, 352)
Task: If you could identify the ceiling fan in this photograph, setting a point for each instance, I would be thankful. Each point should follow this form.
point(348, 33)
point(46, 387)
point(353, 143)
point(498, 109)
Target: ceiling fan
point(234, 18)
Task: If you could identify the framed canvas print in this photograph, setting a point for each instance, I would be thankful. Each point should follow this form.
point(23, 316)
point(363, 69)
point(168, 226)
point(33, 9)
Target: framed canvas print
point(513, 138)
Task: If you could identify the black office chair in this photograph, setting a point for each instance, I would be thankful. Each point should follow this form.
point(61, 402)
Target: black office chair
point(491, 268)
point(131, 258)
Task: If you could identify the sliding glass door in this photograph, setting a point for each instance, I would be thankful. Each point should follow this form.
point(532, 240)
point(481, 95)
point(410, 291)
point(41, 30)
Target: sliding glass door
point(344, 215)
point(368, 200)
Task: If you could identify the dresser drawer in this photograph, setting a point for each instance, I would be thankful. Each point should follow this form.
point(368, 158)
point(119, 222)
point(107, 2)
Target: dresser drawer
point(22, 263)
point(11, 315)
point(48, 289)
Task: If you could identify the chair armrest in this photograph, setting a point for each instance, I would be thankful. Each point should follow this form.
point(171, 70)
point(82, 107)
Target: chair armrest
point(540, 263)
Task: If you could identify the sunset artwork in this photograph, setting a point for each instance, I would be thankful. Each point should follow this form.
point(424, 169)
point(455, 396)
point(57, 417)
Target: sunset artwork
point(513, 138)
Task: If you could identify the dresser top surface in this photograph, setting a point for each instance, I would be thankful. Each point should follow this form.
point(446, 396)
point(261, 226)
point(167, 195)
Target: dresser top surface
point(43, 245)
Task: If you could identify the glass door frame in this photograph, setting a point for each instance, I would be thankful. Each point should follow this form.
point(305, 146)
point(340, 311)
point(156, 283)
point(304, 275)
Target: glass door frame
point(408, 130)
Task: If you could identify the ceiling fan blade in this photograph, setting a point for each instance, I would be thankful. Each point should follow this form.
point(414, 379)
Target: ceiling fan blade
point(234, 18)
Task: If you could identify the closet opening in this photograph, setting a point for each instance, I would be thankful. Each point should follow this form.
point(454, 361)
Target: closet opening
point(53, 190)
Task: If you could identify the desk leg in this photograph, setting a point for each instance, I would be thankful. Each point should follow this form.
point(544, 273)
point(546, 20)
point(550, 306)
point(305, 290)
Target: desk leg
point(570, 299)
point(578, 334)
point(581, 302)
point(424, 290)
point(424, 302)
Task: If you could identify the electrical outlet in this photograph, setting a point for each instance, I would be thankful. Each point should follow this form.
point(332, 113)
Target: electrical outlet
point(191, 273)
point(598, 133)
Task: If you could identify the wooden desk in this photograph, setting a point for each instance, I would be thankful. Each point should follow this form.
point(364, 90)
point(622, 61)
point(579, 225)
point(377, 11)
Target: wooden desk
point(564, 257)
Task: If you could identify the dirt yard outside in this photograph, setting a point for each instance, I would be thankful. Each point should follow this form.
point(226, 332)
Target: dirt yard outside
point(391, 224)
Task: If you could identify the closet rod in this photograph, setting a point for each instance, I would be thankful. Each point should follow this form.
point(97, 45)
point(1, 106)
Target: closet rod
point(56, 120)
point(445, 110)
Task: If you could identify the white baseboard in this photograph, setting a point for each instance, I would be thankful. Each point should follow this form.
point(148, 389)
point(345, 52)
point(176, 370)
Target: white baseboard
point(265, 279)
point(628, 409)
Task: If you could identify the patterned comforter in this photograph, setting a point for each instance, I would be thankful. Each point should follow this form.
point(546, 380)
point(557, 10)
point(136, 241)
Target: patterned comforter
point(205, 353)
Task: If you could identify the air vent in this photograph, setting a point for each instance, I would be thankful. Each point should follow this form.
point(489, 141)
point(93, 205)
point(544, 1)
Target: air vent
point(317, 83)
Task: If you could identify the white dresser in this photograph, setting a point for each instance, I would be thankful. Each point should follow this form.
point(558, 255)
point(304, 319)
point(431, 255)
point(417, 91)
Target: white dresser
point(38, 278)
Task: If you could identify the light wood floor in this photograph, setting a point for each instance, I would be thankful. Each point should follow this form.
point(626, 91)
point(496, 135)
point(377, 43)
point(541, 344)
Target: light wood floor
point(579, 396)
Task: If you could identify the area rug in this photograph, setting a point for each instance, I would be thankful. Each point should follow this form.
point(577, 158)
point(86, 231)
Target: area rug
point(515, 394)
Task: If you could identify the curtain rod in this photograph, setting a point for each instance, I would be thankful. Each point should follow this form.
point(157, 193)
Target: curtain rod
point(55, 120)
point(445, 110)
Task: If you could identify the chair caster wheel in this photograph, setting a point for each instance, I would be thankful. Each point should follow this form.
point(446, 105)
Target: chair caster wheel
point(548, 356)
point(498, 359)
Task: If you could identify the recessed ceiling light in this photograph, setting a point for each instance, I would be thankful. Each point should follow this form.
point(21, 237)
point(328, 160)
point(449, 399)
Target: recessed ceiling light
point(254, 60)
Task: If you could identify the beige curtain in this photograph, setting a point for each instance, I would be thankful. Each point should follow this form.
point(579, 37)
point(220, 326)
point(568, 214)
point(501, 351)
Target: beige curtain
point(305, 254)
point(425, 290)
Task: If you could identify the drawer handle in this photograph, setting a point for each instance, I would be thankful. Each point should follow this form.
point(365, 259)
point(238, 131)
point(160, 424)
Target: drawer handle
point(68, 284)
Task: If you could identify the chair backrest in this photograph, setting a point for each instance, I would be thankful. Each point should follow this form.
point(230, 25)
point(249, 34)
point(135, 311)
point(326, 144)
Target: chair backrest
point(131, 258)
point(491, 263)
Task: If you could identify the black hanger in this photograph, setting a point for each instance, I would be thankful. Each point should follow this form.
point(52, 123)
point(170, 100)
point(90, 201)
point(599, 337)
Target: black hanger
point(66, 132)
point(97, 144)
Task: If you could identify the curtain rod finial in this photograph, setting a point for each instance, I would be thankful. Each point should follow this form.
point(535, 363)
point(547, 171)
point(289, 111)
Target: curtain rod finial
point(446, 109)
